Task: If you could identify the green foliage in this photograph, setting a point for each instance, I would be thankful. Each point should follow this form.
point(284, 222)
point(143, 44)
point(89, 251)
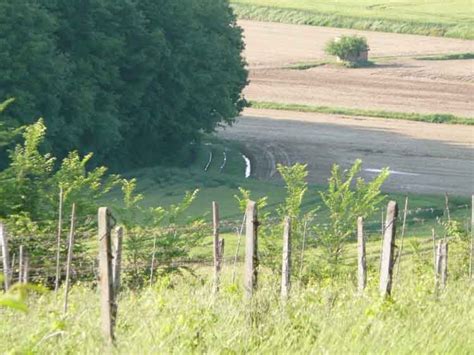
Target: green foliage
point(245, 197)
point(6, 133)
point(16, 296)
point(347, 198)
point(30, 185)
point(156, 234)
point(133, 81)
point(296, 187)
point(347, 48)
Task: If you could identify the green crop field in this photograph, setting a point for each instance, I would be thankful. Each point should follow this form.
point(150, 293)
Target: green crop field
point(437, 18)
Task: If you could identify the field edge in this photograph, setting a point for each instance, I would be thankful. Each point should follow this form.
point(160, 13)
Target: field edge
point(429, 118)
point(313, 18)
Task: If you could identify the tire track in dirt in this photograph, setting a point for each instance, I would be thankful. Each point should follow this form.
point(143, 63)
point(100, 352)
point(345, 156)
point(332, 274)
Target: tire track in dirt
point(435, 158)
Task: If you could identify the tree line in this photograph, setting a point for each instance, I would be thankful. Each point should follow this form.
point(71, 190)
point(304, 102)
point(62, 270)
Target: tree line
point(134, 81)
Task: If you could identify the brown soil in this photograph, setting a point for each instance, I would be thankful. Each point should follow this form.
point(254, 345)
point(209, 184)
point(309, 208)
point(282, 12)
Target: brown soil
point(271, 44)
point(425, 157)
point(398, 83)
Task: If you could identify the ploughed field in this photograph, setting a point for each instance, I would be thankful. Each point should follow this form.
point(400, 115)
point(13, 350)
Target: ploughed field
point(398, 81)
point(424, 157)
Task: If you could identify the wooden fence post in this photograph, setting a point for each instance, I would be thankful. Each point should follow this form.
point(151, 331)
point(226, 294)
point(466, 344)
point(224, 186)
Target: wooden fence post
point(218, 246)
point(361, 257)
point(444, 265)
point(221, 252)
point(105, 274)
point(58, 241)
point(286, 260)
point(20, 265)
point(386, 265)
point(5, 256)
point(117, 258)
point(251, 249)
point(69, 255)
point(26, 268)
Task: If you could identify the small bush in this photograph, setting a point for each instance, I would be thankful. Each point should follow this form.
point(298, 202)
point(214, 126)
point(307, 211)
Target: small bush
point(347, 48)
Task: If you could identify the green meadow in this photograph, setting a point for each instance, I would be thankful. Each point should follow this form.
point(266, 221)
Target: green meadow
point(434, 18)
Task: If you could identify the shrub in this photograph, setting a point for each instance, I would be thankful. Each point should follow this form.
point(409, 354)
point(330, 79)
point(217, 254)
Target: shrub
point(347, 48)
point(348, 197)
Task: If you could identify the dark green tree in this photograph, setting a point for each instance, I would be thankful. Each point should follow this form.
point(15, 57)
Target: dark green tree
point(135, 81)
point(31, 69)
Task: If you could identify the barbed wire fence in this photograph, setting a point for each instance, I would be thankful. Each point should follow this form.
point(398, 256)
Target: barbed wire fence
point(93, 253)
point(41, 247)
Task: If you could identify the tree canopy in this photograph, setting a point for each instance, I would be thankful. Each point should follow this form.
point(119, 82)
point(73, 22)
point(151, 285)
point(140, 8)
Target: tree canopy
point(134, 81)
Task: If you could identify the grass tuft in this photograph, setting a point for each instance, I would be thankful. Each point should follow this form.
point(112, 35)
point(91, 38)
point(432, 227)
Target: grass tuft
point(456, 56)
point(431, 118)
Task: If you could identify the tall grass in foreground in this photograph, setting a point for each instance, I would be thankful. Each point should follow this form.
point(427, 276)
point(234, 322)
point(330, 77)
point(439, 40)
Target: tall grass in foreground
point(179, 315)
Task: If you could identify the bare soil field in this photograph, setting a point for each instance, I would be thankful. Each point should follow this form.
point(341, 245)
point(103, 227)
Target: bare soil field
point(424, 157)
point(270, 44)
point(397, 83)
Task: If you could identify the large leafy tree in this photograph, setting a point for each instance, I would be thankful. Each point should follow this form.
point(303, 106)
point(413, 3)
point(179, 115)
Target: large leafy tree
point(136, 80)
point(31, 68)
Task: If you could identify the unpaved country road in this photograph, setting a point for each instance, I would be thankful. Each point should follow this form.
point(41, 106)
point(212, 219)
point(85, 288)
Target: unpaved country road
point(396, 83)
point(424, 157)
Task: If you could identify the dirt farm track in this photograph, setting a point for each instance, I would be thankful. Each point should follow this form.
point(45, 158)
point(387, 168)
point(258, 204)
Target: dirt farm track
point(424, 158)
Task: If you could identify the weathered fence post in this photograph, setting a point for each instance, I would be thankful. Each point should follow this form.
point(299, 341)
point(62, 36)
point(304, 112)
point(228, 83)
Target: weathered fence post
point(5, 256)
point(286, 260)
point(251, 249)
point(26, 269)
point(386, 265)
point(221, 253)
point(117, 258)
point(69, 255)
point(444, 264)
point(218, 246)
point(58, 241)
point(105, 273)
point(20, 265)
point(361, 258)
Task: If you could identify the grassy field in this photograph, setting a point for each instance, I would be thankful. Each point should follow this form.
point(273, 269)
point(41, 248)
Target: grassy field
point(432, 118)
point(452, 18)
point(179, 315)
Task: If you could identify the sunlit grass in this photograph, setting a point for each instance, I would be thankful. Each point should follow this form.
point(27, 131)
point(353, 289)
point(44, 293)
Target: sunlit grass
point(452, 18)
